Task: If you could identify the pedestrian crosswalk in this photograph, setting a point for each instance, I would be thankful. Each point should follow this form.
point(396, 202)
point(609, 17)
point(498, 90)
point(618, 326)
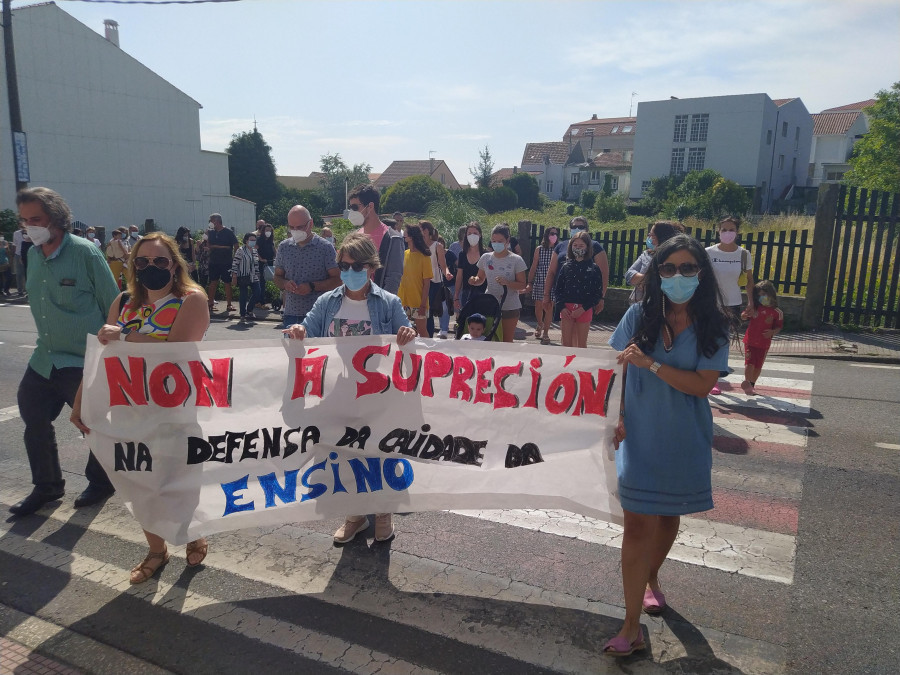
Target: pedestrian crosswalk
point(497, 618)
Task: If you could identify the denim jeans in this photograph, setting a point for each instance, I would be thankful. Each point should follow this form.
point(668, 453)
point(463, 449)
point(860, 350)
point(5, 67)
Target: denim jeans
point(40, 403)
point(291, 319)
point(245, 303)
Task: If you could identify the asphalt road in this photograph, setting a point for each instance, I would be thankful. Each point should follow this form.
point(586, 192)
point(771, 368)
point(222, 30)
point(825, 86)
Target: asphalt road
point(795, 571)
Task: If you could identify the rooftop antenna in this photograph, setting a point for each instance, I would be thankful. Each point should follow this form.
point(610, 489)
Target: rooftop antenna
point(431, 161)
point(254, 124)
point(630, 105)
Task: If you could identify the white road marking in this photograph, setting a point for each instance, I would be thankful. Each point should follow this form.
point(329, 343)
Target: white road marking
point(9, 413)
point(780, 366)
point(761, 432)
point(732, 548)
point(888, 446)
point(738, 399)
point(874, 365)
point(28, 346)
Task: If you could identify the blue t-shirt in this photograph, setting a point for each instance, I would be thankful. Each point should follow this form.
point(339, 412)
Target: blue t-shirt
point(664, 464)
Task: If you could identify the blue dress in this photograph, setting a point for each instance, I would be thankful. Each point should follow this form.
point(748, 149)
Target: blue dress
point(664, 464)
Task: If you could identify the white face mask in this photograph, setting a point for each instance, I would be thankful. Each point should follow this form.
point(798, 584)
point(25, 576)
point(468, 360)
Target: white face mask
point(268, 233)
point(473, 239)
point(356, 218)
point(299, 235)
point(205, 237)
point(38, 235)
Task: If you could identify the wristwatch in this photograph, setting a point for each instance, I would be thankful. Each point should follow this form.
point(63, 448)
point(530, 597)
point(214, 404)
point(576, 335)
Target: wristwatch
point(655, 367)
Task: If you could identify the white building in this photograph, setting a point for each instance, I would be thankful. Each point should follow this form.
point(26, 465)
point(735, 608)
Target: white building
point(748, 138)
point(117, 141)
point(835, 132)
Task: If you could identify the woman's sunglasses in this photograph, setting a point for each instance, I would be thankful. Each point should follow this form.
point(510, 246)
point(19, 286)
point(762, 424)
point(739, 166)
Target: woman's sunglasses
point(161, 261)
point(357, 266)
point(667, 270)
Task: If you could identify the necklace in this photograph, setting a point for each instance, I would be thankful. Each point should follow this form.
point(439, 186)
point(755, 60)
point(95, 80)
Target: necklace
point(669, 333)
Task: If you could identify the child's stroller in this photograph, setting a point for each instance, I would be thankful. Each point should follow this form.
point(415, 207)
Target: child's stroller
point(489, 306)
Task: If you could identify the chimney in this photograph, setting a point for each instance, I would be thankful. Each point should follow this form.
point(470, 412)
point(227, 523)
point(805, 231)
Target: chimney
point(112, 31)
point(430, 165)
point(594, 116)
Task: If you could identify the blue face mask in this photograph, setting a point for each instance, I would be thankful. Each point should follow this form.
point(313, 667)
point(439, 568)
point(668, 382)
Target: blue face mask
point(650, 245)
point(251, 243)
point(680, 289)
point(498, 246)
point(354, 281)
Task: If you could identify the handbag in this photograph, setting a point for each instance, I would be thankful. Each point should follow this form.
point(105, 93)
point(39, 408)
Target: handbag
point(742, 278)
point(244, 280)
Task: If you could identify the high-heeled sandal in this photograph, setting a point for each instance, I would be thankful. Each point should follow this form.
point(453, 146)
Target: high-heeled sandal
point(195, 547)
point(145, 569)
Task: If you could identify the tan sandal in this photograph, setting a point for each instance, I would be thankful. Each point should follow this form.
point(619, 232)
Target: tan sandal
point(146, 568)
point(196, 548)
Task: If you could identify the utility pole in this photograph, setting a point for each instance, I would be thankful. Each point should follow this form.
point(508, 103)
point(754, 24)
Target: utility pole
point(12, 88)
point(631, 105)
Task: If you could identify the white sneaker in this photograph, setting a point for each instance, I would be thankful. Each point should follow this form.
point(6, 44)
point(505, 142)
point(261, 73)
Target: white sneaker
point(443, 335)
point(350, 529)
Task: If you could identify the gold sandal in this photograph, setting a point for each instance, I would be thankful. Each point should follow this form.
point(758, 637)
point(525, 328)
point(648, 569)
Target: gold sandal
point(145, 569)
point(196, 547)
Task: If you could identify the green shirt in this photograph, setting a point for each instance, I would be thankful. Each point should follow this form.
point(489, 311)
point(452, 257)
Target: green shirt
point(70, 294)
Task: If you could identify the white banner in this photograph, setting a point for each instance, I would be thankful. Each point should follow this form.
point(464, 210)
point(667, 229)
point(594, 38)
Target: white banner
point(208, 437)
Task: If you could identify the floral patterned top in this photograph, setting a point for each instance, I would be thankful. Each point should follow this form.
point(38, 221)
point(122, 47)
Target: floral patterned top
point(154, 320)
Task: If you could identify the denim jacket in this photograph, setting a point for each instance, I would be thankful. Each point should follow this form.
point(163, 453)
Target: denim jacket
point(385, 312)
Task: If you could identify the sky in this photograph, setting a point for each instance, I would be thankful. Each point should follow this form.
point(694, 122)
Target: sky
point(378, 80)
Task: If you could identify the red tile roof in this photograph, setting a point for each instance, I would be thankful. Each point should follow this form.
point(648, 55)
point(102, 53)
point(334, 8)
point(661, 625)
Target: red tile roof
point(400, 169)
point(501, 175)
point(852, 107)
point(833, 122)
point(601, 127)
point(611, 160)
point(781, 101)
point(534, 152)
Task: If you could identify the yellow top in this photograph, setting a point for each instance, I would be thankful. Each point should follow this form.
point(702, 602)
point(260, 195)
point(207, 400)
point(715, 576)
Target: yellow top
point(416, 267)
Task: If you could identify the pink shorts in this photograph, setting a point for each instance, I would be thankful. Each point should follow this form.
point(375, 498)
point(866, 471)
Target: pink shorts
point(584, 318)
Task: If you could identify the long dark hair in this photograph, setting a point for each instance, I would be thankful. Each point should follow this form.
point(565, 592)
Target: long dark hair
point(467, 245)
point(545, 240)
point(705, 310)
point(414, 232)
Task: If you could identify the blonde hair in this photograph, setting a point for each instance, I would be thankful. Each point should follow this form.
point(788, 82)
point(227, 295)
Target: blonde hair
point(360, 248)
point(182, 284)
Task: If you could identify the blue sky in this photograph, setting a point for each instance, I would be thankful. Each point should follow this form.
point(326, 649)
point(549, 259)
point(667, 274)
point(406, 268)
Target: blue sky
point(377, 81)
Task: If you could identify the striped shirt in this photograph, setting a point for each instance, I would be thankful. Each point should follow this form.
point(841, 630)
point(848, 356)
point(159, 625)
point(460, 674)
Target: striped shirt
point(70, 294)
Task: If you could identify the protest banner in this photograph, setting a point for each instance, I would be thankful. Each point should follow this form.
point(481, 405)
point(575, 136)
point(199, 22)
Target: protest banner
point(208, 437)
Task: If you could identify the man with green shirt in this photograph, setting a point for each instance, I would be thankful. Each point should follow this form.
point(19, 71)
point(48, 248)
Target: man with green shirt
point(70, 291)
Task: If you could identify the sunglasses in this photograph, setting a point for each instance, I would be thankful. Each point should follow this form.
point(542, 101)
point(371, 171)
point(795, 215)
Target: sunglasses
point(161, 261)
point(357, 266)
point(356, 207)
point(667, 270)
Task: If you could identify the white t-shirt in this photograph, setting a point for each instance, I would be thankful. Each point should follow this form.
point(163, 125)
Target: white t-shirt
point(507, 268)
point(351, 319)
point(727, 268)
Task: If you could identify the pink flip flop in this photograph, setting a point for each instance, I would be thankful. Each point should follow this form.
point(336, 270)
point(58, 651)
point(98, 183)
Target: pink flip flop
point(620, 646)
point(654, 601)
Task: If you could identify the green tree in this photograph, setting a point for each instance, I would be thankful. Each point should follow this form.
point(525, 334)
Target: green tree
point(495, 200)
point(482, 172)
point(314, 200)
point(251, 170)
point(9, 221)
point(448, 215)
point(528, 190)
point(875, 160)
point(340, 179)
point(610, 208)
point(413, 194)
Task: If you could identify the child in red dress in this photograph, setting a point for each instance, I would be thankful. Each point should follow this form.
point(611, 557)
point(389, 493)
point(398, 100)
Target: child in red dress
point(765, 325)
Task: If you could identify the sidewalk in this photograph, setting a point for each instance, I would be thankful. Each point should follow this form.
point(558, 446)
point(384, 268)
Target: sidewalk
point(16, 658)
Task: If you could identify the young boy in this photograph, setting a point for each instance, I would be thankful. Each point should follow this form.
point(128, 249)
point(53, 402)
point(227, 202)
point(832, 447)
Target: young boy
point(476, 327)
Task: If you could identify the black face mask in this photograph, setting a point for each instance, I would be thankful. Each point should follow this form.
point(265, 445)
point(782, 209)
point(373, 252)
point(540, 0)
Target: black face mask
point(154, 278)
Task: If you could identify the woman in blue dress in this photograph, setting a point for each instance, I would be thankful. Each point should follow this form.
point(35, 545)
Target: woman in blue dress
point(673, 345)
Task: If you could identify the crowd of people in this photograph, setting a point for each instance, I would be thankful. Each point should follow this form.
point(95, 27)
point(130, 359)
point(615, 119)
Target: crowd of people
point(382, 279)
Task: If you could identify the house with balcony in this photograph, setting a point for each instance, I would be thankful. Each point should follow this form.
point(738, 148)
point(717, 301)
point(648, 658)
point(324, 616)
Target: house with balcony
point(752, 139)
point(835, 132)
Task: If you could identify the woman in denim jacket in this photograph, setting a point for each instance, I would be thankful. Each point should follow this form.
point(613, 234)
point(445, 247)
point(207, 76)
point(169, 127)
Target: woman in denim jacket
point(357, 307)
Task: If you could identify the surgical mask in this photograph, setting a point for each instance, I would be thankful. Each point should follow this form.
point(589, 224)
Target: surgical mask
point(154, 278)
point(268, 233)
point(251, 243)
point(299, 235)
point(553, 239)
point(727, 237)
point(579, 252)
point(38, 235)
point(356, 218)
point(498, 246)
point(353, 280)
point(576, 230)
point(330, 240)
point(473, 239)
point(650, 245)
point(91, 236)
point(766, 301)
point(680, 289)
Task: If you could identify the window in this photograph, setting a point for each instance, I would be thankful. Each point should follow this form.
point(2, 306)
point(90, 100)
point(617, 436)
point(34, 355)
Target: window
point(595, 175)
point(576, 177)
point(615, 130)
point(627, 129)
point(645, 185)
point(696, 159)
point(677, 164)
point(769, 137)
point(680, 135)
point(797, 139)
point(780, 161)
point(784, 126)
point(794, 166)
point(613, 183)
point(834, 175)
point(549, 186)
point(699, 126)
point(442, 179)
